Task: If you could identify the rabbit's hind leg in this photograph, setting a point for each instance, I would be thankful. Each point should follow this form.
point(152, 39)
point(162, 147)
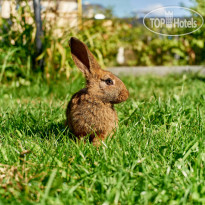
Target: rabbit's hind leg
point(98, 140)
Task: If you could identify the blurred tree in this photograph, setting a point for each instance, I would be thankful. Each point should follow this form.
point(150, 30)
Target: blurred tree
point(200, 6)
point(39, 32)
point(198, 41)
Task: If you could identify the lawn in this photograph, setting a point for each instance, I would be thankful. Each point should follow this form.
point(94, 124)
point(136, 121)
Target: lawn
point(157, 156)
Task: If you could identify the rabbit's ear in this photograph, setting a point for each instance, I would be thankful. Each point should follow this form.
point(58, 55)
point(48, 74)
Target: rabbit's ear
point(82, 57)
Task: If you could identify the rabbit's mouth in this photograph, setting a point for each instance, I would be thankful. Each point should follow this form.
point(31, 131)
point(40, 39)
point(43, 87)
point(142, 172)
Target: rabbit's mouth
point(124, 94)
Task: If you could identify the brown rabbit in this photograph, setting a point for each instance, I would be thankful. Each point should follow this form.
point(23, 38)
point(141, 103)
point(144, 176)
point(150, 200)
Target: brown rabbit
point(91, 110)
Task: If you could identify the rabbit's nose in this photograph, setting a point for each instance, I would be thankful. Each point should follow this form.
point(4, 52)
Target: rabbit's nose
point(127, 94)
point(124, 94)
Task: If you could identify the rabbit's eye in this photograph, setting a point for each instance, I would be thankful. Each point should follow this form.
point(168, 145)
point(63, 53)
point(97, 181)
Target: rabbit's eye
point(109, 81)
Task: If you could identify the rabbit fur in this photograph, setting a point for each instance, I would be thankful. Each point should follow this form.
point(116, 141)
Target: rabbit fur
point(91, 110)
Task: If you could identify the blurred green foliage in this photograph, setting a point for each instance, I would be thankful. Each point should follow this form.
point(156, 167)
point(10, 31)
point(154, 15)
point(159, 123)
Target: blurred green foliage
point(103, 37)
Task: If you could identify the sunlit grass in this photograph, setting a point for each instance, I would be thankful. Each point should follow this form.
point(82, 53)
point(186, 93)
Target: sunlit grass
point(157, 156)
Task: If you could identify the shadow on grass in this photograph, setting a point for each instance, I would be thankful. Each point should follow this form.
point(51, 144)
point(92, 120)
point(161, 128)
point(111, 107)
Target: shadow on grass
point(54, 129)
point(49, 130)
point(198, 77)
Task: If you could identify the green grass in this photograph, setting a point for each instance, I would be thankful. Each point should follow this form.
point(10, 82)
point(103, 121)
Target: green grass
point(157, 156)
